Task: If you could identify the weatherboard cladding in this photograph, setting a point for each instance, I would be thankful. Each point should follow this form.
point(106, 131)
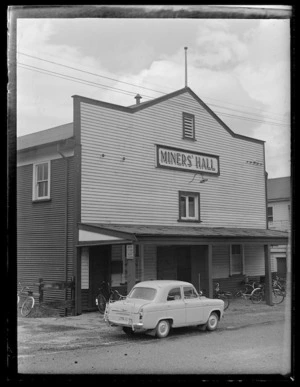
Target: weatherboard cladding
point(121, 183)
point(254, 260)
point(41, 233)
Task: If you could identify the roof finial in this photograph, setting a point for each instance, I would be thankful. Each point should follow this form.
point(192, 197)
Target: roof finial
point(185, 66)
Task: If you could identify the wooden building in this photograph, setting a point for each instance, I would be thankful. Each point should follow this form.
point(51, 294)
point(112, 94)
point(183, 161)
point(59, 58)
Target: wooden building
point(157, 190)
point(279, 218)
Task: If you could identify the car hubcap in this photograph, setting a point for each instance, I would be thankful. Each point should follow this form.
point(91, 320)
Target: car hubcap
point(212, 321)
point(163, 328)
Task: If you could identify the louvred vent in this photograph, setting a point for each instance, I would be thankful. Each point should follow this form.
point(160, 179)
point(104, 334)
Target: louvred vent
point(188, 125)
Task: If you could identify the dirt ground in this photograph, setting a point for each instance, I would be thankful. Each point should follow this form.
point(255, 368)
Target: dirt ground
point(240, 312)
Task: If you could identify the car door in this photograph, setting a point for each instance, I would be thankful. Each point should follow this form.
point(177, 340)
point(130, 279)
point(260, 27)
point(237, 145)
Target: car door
point(194, 309)
point(175, 307)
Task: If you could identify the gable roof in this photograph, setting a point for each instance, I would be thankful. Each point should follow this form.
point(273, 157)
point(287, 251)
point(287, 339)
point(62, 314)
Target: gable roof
point(144, 105)
point(279, 188)
point(58, 133)
point(63, 132)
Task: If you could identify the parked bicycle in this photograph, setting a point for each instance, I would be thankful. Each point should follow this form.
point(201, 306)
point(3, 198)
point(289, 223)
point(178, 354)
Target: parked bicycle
point(25, 300)
point(247, 292)
point(106, 294)
point(259, 294)
point(279, 283)
point(222, 295)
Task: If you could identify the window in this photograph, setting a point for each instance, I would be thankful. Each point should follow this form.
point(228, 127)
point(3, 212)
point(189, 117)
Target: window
point(270, 214)
point(236, 259)
point(188, 126)
point(140, 293)
point(41, 181)
point(189, 206)
point(174, 294)
point(189, 292)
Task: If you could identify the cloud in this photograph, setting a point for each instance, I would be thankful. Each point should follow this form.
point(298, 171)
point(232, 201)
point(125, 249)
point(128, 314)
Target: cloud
point(221, 49)
point(240, 65)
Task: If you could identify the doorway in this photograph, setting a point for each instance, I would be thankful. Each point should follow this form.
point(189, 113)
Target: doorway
point(174, 262)
point(281, 267)
point(99, 270)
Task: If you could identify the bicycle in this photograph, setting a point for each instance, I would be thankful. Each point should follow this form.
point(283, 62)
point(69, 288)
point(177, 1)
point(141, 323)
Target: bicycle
point(27, 304)
point(222, 295)
point(106, 294)
point(246, 293)
point(279, 283)
point(259, 294)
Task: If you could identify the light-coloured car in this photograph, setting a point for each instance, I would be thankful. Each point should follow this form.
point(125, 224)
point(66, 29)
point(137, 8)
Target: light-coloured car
point(154, 307)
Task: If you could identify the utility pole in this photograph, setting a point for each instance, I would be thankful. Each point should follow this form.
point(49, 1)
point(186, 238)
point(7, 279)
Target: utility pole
point(185, 48)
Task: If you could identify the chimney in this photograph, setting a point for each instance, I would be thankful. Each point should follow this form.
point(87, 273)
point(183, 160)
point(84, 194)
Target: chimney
point(138, 99)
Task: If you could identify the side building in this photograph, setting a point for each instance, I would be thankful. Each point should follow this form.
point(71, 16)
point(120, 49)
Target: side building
point(157, 190)
point(279, 218)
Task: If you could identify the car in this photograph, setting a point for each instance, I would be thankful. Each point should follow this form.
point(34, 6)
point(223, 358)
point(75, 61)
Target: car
point(156, 306)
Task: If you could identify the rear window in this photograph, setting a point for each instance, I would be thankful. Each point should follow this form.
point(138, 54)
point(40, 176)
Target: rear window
point(143, 293)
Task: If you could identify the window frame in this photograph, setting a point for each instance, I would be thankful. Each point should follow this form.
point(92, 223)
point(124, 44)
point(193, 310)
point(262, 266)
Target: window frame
point(270, 216)
point(188, 115)
point(35, 182)
point(194, 292)
point(174, 299)
point(196, 196)
point(242, 257)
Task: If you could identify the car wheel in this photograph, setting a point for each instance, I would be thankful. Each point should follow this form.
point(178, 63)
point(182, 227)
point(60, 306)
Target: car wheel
point(212, 322)
point(128, 331)
point(163, 329)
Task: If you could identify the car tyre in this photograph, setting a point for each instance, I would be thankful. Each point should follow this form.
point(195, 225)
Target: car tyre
point(163, 329)
point(212, 322)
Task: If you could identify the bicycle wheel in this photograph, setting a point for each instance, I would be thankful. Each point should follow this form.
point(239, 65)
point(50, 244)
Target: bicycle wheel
point(256, 296)
point(27, 306)
point(101, 303)
point(277, 296)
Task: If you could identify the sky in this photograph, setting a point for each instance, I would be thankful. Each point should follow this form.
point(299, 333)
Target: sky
point(239, 67)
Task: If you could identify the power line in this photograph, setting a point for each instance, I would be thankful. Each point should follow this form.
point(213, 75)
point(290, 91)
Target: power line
point(75, 79)
point(240, 111)
point(90, 73)
point(127, 92)
point(146, 88)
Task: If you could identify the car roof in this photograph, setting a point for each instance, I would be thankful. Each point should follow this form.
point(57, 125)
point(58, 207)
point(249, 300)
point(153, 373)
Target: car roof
point(162, 283)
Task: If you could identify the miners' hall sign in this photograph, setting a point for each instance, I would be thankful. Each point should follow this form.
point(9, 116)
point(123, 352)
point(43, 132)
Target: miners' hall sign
point(188, 161)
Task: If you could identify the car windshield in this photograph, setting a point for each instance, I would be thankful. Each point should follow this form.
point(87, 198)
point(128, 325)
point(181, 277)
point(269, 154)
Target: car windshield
point(143, 293)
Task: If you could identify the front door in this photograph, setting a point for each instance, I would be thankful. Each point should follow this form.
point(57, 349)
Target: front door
point(99, 270)
point(183, 258)
point(166, 263)
point(281, 267)
point(174, 262)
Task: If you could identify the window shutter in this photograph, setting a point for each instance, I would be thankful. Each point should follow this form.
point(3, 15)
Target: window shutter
point(188, 126)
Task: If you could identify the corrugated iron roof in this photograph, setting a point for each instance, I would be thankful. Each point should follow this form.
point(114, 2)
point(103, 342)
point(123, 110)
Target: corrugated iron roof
point(188, 231)
point(58, 133)
point(279, 188)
